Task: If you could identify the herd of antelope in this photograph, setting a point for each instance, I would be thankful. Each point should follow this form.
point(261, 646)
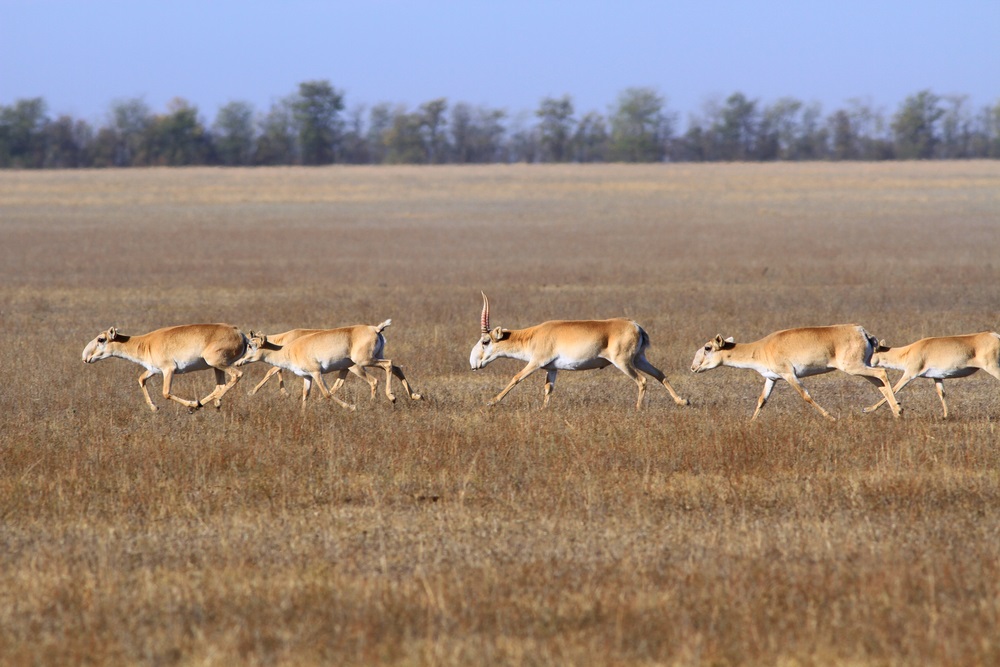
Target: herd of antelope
point(571, 345)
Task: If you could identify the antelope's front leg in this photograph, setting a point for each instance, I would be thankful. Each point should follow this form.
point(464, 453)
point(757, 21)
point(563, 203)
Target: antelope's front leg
point(939, 385)
point(525, 372)
point(550, 384)
point(142, 385)
point(168, 377)
point(768, 386)
point(267, 376)
point(318, 379)
point(793, 380)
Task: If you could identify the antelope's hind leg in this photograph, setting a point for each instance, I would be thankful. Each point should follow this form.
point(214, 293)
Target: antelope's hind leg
point(643, 365)
point(221, 386)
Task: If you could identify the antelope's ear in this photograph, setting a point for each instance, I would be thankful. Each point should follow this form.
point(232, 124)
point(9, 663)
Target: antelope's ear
point(731, 340)
point(719, 342)
point(882, 343)
point(112, 333)
point(498, 333)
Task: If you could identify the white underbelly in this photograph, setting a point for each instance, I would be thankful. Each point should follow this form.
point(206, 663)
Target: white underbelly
point(945, 373)
point(188, 365)
point(569, 364)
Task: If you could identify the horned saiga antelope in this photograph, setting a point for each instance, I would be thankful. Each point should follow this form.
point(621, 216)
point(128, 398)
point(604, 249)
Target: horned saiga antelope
point(174, 350)
point(328, 350)
point(795, 353)
point(940, 358)
point(568, 345)
point(282, 339)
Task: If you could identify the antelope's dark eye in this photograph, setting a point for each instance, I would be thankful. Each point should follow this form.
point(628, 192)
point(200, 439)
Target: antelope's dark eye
point(708, 348)
point(101, 339)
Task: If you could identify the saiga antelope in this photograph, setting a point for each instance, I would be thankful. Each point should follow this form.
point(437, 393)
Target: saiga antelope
point(175, 350)
point(794, 353)
point(326, 351)
point(568, 345)
point(940, 358)
point(282, 339)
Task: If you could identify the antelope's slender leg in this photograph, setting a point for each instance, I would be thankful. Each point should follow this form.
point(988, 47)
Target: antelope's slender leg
point(643, 365)
point(939, 385)
point(222, 389)
point(274, 370)
point(142, 385)
point(764, 395)
point(525, 372)
point(550, 384)
point(628, 369)
point(903, 381)
point(168, 377)
point(318, 378)
point(794, 381)
point(879, 378)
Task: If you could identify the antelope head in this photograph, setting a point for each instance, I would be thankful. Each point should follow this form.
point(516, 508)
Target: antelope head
point(255, 343)
point(707, 357)
point(484, 351)
point(97, 349)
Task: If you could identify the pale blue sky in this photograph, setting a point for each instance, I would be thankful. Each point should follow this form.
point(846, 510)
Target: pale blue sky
point(82, 55)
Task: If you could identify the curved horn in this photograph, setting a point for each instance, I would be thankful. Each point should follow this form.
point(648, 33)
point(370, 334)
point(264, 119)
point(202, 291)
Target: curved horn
point(485, 319)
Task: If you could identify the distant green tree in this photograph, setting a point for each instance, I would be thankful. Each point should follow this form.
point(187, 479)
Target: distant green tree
point(380, 120)
point(235, 136)
point(316, 110)
point(778, 130)
point(914, 126)
point(640, 128)
point(555, 128)
point(22, 133)
point(178, 138)
point(990, 123)
point(870, 129)
point(813, 135)
point(68, 143)
point(130, 121)
point(276, 138)
point(736, 129)
point(404, 140)
point(353, 143)
point(432, 128)
point(476, 133)
point(845, 142)
point(956, 129)
point(590, 139)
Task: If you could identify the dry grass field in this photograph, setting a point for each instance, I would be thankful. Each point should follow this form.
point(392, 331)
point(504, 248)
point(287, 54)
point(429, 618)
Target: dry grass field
point(444, 532)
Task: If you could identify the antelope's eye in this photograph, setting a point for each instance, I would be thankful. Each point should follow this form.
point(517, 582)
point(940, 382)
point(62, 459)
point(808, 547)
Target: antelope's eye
point(101, 339)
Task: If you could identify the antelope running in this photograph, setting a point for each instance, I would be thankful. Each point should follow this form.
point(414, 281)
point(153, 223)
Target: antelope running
point(282, 339)
point(794, 353)
point(326, 351)
point(568, 345)
point(940, 358)
point(175, 350)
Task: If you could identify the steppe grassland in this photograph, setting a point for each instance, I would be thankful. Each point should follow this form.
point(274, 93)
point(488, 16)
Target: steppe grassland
point(440, 532)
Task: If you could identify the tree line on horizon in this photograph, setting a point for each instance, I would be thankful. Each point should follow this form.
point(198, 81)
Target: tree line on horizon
point(313, 127)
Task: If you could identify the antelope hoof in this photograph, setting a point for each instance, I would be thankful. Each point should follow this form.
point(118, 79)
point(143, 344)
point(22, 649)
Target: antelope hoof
point(683, 401)
point(153, 408)
point(416, 397)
